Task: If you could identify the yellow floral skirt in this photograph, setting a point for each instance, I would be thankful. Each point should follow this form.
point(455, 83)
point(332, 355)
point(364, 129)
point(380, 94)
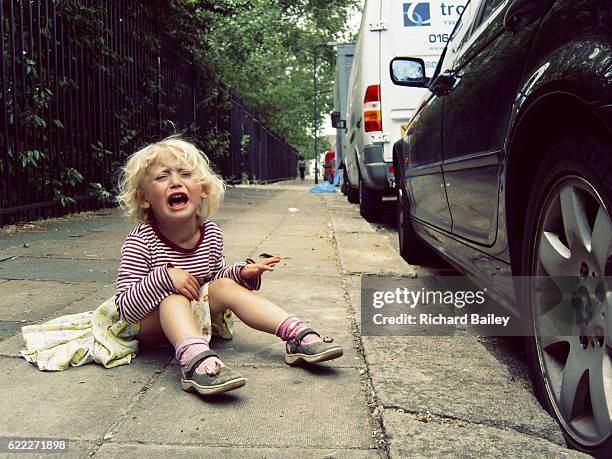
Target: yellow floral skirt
point(101, 336)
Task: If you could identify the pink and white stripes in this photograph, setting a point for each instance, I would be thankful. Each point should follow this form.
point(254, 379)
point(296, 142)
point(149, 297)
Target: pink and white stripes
point(143, 280)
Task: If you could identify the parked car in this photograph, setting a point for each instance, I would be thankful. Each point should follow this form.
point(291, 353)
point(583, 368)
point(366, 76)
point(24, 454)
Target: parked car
point(506, 170)
point(378, 111)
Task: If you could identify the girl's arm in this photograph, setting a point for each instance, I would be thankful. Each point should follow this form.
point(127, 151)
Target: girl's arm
point(140, 287)
point(220, 269)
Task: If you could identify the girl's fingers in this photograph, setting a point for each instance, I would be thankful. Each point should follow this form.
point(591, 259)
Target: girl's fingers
point(194, 293)
point(271, 261)
point(186, 293)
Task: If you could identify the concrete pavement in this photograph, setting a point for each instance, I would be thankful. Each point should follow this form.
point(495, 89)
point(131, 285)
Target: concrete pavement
point(388, 396)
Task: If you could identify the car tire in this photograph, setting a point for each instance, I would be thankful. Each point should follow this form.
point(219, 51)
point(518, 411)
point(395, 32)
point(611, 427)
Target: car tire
point(370, 202)
point(352, 193)
point(343, 185)
point(568, 236)
point(412, 249)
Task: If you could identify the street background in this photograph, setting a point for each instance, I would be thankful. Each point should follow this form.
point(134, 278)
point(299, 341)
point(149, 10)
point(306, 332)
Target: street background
point(387, 396)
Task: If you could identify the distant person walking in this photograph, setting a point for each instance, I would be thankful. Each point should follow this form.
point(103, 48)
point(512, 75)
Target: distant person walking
point(302, 167)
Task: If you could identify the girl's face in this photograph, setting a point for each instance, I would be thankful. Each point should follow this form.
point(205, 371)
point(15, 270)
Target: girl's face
point(171, 190)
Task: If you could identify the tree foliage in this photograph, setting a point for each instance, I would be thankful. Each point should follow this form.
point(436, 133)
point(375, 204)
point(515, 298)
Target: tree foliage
point(263, 51)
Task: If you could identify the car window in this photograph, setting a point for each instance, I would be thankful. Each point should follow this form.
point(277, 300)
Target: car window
point(460, 34)
point(486, 24)
point(488, 7)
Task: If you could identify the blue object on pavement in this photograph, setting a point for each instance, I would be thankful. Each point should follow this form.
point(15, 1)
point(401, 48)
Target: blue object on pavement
point(324, 187)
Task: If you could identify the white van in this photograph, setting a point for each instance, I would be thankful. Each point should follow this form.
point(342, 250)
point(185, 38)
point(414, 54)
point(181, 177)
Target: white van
point(378, 111)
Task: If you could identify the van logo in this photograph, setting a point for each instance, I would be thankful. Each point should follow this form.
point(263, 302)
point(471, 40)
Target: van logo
point(417, 14)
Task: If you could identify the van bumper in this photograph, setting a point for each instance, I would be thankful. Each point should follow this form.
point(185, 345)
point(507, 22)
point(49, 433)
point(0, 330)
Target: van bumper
point(376, 173)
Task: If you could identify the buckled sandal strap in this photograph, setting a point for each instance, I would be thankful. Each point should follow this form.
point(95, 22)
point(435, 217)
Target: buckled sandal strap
point(198, 358)
point(303, 332)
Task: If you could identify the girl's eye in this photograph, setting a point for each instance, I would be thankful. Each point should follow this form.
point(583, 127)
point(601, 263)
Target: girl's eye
point(186, 174)
point(160, 177)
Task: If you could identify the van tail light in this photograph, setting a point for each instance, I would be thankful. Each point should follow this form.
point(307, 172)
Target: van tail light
point(391, 169)
point(372, 115)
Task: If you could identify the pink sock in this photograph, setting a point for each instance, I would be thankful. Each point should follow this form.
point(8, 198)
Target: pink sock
point(188, 348)
point(290, 327)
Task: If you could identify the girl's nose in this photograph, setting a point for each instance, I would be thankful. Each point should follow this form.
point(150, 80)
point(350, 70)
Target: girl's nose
point(175, 179)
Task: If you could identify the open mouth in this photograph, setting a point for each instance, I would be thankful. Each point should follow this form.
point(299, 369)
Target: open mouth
point(177, 200)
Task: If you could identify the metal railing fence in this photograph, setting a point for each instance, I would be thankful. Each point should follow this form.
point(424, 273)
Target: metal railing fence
point(84, 84)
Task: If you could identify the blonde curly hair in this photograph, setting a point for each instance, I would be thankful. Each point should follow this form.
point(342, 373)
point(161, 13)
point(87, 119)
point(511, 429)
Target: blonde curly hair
point(132, 174)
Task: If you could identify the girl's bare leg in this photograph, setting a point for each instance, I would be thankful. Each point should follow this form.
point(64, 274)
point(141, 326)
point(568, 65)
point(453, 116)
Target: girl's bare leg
point(172, 320)
point(255, 311)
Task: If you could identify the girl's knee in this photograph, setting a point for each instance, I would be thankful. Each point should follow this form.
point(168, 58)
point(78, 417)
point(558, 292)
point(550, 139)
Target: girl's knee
point(173, 301)
point(223, 283)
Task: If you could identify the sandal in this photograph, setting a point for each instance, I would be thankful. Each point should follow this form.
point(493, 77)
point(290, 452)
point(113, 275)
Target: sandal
point(319, 351)
point(205, 384)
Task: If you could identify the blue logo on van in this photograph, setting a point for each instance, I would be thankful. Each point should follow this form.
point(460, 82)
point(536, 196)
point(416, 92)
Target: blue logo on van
point(417, 14)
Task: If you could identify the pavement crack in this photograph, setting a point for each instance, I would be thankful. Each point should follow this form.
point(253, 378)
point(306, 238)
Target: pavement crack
point(124, 412)
point(372, 400)
point(247, 447)
point(443, 418)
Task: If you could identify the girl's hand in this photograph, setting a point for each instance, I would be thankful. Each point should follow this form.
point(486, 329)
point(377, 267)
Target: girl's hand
point(185, 283)
point(254, 270)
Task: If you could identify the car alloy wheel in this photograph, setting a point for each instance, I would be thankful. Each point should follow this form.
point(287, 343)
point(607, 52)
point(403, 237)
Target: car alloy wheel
point(573, 338)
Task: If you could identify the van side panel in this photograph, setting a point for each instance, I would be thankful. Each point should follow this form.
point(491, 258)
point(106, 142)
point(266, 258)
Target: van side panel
point(365, 72)
point(413, 28)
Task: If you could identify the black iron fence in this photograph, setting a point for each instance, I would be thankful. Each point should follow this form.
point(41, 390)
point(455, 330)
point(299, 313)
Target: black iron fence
point(84, 84)
point(256, 153)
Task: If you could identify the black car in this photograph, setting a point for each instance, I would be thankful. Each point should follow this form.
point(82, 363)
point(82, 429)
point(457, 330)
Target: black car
point(506, 170)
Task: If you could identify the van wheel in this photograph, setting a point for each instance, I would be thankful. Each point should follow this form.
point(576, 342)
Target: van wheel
point(568, 251)
point(412, 249)
point(343, 185)
point(352, 193)
point(370, 202)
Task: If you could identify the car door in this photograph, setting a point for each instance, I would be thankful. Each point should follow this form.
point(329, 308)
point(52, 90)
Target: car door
point(486, 70)
point(423, 147)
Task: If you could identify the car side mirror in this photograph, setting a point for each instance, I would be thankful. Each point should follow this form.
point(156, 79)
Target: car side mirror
point(336, 121)
point(408, 71)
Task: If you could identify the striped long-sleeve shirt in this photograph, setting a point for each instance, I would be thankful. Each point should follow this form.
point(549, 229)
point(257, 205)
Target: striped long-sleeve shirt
point(146, 255)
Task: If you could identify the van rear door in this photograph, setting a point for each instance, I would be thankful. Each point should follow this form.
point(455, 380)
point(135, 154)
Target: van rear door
point(417, 29)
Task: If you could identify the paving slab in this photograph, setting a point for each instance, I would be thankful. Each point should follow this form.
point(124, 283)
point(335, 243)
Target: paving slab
point(9, 328)
point(369, 253)
point(426, 436)
point(90, 246)
point(54, 269)
point(344, 222)
point(90, 301)
point(316, 270)
point(295, 291)
point(238, 253)
point(244, 237)
point(320, 230)
point(320, 261)
point(34, 300)
point(78, 403)
point(278, 407)
point(287, 240)
point(454, 377)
